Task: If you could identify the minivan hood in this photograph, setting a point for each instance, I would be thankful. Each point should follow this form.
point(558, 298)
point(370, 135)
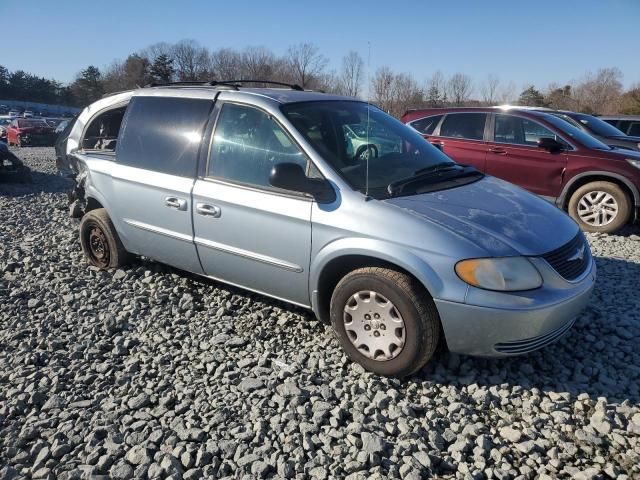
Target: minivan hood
point(495, 215)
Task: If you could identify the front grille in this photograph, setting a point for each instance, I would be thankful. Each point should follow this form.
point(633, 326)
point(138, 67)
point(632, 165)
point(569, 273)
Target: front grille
point(572, 259)
point(530, 344)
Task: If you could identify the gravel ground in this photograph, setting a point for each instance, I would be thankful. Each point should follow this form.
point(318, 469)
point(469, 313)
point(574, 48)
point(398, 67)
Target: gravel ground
point(150, 372)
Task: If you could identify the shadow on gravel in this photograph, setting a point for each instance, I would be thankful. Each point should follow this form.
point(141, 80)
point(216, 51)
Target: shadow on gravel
point(42, 183)
point(600, 356)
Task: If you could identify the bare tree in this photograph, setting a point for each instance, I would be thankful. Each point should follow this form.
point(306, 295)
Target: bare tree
point(600, 92)
point(191, 61)
point(561, 97)
point(351, 74)
point(257, 63)
point(306, 63)
point(406, 94)
point(489, 89)
point(382, 88)
point(395, 93)
point(226, 64)
point(459, 87)
point(154, 51)
point(507, 93)
point(436, 90)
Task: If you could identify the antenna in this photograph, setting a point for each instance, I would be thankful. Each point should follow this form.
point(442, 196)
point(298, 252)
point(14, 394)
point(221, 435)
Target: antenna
point(369, 150)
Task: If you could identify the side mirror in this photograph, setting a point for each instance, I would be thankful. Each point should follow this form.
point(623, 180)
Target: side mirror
point(550, 144)
point(291, 176)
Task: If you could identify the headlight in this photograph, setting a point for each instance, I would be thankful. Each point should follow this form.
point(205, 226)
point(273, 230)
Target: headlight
point(634, 162)
point(505, 274)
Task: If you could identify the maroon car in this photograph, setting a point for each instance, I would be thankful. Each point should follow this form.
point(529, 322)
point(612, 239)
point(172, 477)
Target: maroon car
point(30, 131)
point(598, 185)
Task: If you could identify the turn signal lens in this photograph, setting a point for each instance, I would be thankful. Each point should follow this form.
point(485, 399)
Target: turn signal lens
point(505, 274)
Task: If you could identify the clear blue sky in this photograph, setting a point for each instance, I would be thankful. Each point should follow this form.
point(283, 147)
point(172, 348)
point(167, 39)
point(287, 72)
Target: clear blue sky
point(525, 41)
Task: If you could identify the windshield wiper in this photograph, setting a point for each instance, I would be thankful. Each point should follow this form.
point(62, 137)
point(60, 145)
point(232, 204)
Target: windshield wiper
point(436, 168)
point(443, 170)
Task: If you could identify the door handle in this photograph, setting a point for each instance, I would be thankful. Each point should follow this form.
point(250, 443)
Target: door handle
point(176, 203)
point(498, 151)
point(208, 210)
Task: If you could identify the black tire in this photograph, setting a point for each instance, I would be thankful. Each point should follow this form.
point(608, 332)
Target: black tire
point(413, 303)
point(100, 242)
point(621, 198)
point(18, 142)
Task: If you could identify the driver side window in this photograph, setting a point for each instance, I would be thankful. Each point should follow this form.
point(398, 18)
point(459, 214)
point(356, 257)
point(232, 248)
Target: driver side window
point(247, 143)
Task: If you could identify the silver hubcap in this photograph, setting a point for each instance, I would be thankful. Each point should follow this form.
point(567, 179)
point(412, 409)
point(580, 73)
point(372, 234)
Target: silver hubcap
point(597, 208)
point(374, 325)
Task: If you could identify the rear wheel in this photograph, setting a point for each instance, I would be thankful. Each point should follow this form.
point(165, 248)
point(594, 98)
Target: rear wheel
point(385, 321)
point(100, 242)
point(600, 207)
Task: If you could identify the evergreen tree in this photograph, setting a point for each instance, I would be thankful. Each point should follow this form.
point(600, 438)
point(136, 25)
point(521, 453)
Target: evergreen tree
point(532, 98)
point(162, 69)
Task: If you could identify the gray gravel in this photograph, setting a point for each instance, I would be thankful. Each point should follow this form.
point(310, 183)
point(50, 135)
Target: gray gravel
point(149, 372)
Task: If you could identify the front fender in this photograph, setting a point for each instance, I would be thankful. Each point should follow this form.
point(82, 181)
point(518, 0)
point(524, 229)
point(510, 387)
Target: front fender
point(435, 271)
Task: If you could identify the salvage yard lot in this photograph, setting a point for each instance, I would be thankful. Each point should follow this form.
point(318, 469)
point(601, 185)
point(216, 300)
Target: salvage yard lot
point(151, 372)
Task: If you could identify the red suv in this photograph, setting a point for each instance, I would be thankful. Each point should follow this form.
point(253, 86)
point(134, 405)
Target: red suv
point(598, 185)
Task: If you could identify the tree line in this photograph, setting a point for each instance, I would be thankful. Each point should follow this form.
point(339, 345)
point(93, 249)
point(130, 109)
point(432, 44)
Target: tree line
point(304, 64)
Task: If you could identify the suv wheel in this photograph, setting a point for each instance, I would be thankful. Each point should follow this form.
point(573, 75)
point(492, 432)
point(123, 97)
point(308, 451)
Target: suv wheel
point(100, 242)
point(385, 321)
point(367, 152)
point(600, 207)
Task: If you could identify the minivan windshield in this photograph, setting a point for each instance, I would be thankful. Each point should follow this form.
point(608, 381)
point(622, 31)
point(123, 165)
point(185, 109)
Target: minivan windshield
point(348, 133)
point(575, 133)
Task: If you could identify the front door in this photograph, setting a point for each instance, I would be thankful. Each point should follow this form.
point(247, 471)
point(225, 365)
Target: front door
point(514, 156)
point(247, 232)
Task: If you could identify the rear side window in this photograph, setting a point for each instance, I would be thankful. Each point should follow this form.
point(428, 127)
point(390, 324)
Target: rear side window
point(464, 125)
point(164, 134)
point(102, 132)
point(247, 144)
point(634, 130)
point(426, 126)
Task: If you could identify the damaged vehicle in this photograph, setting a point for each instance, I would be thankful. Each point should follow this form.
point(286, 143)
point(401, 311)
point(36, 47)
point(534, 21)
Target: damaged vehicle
point(11, 167)
point(261, 188)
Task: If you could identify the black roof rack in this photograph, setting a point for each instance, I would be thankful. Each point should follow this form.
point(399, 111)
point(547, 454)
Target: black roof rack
point(236, 83)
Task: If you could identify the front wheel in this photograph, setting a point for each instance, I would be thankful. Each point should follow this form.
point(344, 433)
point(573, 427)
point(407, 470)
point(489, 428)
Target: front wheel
point(100, 242)
point(600, 207)
point(385, 321)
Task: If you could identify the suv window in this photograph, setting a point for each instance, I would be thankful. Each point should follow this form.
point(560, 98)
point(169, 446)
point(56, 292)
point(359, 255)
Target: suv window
point(426, 126)
point(464, 125)
point(521, 131)
point(634, 130)
point(163, 134)
point(247, 143)
point(102, 132)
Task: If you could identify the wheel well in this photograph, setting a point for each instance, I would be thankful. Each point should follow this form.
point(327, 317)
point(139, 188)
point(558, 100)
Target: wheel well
point(92, 204)
point(595, 178)
point(337, 268)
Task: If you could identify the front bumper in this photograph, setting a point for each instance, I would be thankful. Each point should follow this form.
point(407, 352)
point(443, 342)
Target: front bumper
point(37, 140)
point(513, 324)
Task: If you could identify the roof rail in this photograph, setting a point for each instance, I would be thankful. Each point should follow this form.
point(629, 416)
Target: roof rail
point(236, 83)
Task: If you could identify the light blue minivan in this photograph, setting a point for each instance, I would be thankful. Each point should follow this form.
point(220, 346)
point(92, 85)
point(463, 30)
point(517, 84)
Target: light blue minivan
point(261, 188)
